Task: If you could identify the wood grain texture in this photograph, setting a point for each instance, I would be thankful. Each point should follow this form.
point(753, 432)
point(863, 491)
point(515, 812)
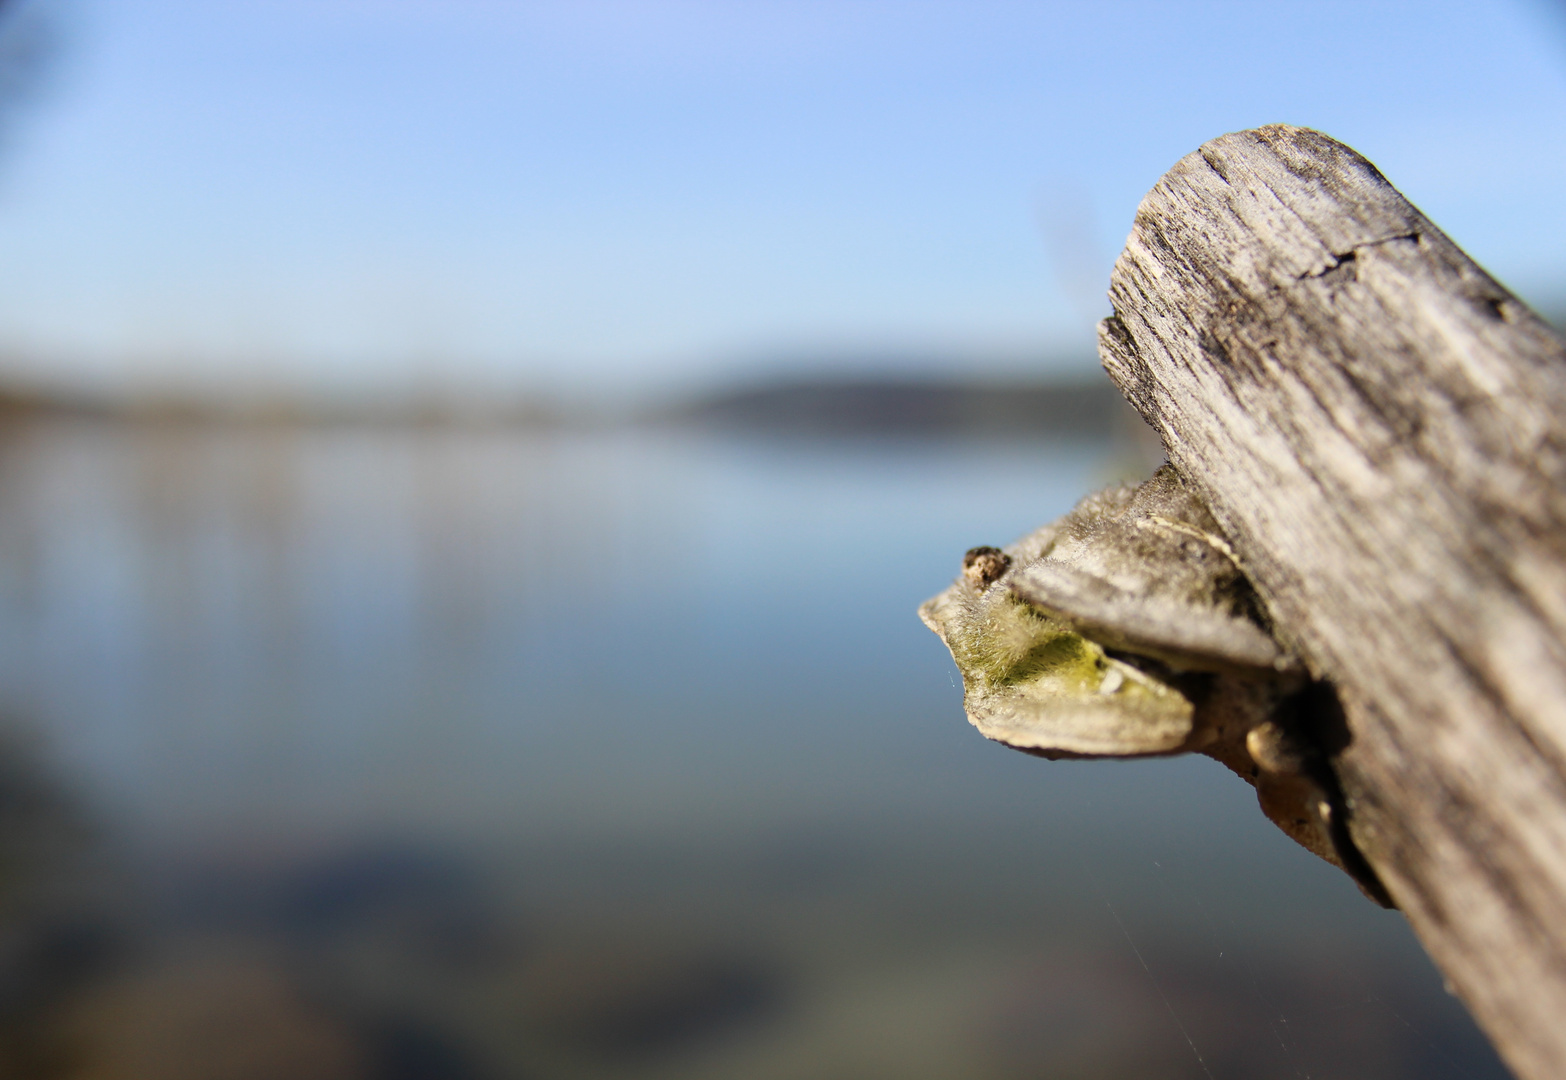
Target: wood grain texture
point(1380, 430)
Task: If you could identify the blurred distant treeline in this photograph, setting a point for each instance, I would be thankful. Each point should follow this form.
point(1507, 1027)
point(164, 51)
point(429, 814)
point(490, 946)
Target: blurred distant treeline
point(1079, 404)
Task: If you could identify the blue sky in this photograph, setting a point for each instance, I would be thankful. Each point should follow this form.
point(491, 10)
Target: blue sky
point(571, 197)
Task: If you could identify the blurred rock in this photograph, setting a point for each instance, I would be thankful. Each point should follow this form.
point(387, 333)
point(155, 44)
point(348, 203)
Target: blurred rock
point(637, 1002)
point(214, 1013)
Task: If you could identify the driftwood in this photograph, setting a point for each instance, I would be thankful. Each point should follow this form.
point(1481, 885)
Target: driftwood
point(1378, 430)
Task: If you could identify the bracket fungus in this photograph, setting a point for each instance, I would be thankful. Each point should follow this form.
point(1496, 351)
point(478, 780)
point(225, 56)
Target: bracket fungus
point(1128, 629)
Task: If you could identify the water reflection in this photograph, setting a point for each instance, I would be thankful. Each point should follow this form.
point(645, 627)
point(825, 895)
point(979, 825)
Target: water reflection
point(402, 753)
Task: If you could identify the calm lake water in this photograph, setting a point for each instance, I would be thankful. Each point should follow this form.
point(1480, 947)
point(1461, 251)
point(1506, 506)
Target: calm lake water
point(443, 753)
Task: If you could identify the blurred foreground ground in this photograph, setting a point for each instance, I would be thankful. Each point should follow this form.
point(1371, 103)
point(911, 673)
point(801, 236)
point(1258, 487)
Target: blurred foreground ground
point(432, 752)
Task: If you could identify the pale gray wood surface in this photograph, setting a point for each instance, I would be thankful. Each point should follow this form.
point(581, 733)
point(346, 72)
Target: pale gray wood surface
point(1380, 430)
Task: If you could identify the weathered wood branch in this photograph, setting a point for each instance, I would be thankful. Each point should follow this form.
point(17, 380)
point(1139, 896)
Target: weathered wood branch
point(1379, 430)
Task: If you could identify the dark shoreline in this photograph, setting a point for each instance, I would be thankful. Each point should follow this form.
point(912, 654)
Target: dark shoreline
point(1078, 404)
